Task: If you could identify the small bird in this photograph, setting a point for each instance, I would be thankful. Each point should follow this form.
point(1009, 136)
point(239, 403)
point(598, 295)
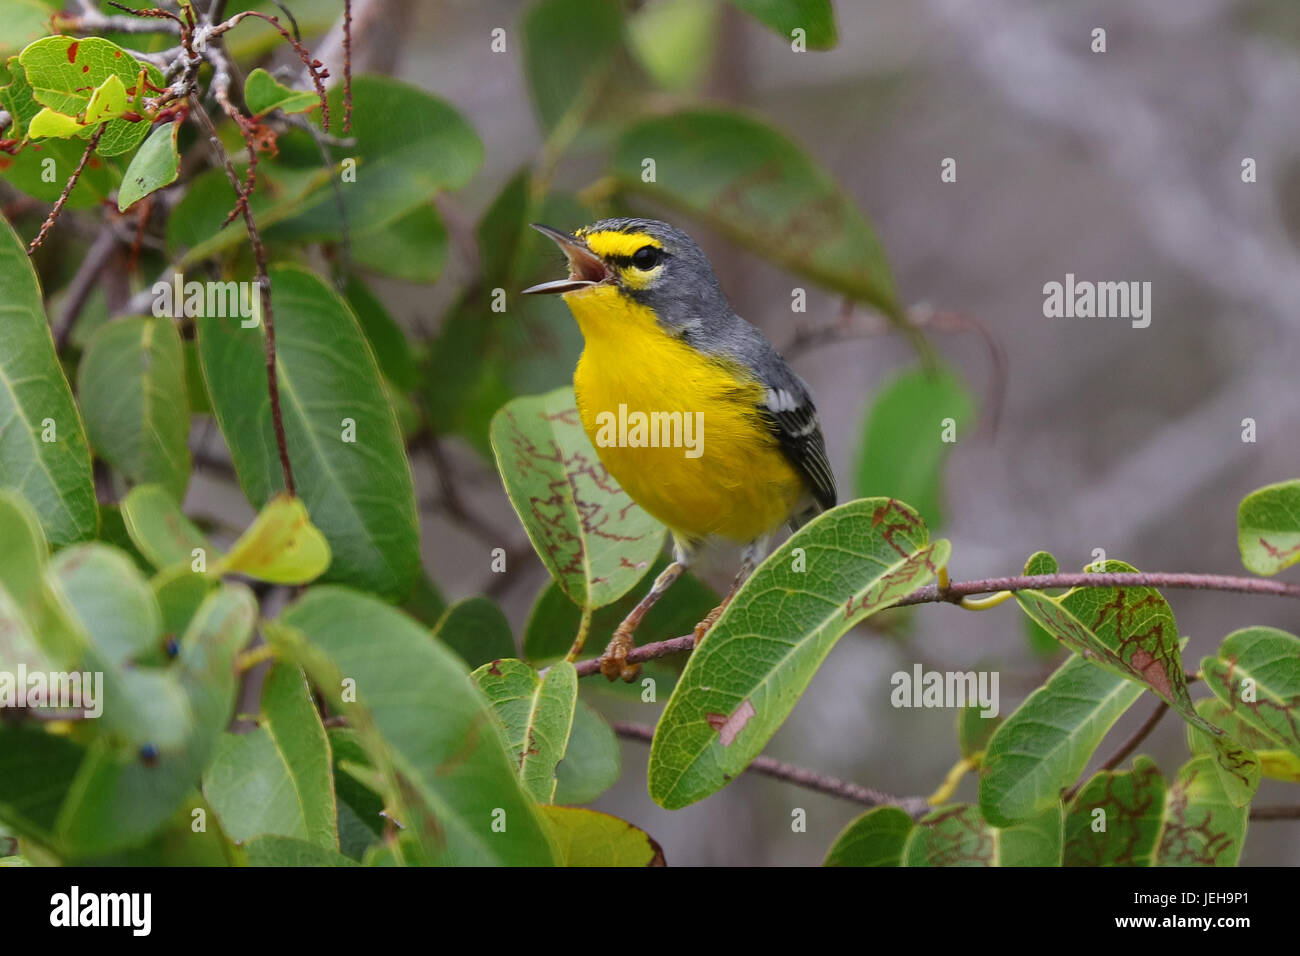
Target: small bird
point(660, 337)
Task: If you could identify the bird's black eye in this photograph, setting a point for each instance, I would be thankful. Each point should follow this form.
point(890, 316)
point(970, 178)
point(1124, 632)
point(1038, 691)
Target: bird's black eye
point(645, 258)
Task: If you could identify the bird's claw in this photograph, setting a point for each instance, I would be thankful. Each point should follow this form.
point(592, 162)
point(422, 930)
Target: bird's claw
point(613, 663)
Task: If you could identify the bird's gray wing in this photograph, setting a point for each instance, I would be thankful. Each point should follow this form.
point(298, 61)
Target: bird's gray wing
point(791, 417)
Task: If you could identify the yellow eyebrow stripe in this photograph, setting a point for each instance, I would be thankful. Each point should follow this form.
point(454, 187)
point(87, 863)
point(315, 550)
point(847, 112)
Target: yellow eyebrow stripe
point(609, 243)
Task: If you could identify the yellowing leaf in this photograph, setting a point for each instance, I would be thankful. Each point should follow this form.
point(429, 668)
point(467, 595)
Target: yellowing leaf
point(48, 124)
point(107, 102)
point(589, 838)
point(281, 546)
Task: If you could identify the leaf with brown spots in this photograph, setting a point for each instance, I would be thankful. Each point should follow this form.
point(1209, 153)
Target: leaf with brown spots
point(1132, 632)
point(1268, 528)
point(1257, 676)
point(596, 542)
point(958, 836)
point(747, 674)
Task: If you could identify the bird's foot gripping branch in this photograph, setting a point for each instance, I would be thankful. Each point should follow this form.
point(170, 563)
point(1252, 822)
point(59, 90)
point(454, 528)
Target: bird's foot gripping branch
point(867, 556)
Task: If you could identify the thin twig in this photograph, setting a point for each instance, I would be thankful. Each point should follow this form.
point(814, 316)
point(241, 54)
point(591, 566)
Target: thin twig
point(67, 189)
point(953, 594)
point(801, 777)
point(1275, 813)
point(264, 286)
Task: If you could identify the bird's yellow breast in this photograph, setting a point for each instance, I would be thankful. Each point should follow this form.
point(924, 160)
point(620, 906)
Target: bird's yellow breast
point(739, 487)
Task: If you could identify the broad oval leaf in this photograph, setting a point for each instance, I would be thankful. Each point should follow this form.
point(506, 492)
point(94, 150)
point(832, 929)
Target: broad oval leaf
point(1130, 804)
point(590, 838)
point(445, 769)
point(907, 438)
point(278, 778)
point(757, 186)
point(568, 45)
point(263, 93)
point(1268, 528)
point(1257, 676)
point(131, 383)
point(155, 164)
point(958, 836)
point(1049, 739)
point(163, 535)
point(359, 493)
point(593, 760)
point(536, 714)
point(43, 453)
point(1275, 761)
point(745, 677)
point(104, 589)
point(877, 838)
point(596, 542)
point(64, 73)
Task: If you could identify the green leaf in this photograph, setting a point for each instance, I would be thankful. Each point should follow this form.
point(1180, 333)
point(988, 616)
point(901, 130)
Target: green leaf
point(975, 731)
point(360, 823)
point(1131, 632)
point(589, 838)
point(674, 41)
point(65, 72)
point(1274, 761)
point(1116, 817)
point(758, 188)
point(1147, 823)
point(1257, 675)
point(536, 714)
point(391, 347)
point(25, 20)
point(359, 494)
point(156, 164)
point(1268, 528)
point(104, 589)
point(263, 93)
point(446, 773)
point(118, 798)
point(52, 125)
point(30, 633)
point(957, 835)
point(1049, 739)
point(745, 677)
point(783, 17)
point(904, 446)
point(278, 778)
point(43, 453)
point(477, 630)
point(877, 838)
point(131, 383)
point(160, 531)
point(409, 147)
point(180, 591)
point(593, 761)
point(412, 248)
point(29, 753)
point(596, 543)
point(281, 546)
point(568, 48)
point(288, 851)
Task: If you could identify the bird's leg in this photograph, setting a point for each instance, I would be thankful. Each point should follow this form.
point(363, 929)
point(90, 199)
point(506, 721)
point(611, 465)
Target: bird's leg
point(748, 561)
point(613, 663)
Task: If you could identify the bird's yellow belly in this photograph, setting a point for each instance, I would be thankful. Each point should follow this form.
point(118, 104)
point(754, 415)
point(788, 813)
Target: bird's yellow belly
point(720, 472)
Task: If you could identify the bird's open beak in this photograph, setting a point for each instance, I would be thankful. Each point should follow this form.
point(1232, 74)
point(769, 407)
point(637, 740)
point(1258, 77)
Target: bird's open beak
point(585, 267)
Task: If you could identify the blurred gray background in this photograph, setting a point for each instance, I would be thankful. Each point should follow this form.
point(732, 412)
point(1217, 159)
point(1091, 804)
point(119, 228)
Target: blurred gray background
point(1117, 166)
